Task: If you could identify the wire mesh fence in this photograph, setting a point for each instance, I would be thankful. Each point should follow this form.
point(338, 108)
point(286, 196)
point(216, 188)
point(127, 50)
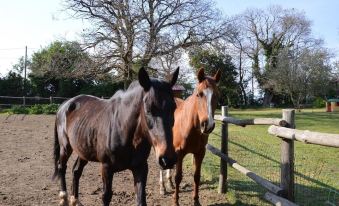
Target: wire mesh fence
point(316, 175)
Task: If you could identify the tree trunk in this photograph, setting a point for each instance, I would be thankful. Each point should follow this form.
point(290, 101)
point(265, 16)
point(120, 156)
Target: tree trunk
point(268, 96)
point(244, 96)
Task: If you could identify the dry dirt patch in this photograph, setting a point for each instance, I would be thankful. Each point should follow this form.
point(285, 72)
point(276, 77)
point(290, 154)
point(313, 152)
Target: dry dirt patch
point(26, 143)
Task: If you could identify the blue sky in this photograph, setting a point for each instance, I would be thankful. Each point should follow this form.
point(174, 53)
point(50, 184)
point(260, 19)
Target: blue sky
point(37, 23)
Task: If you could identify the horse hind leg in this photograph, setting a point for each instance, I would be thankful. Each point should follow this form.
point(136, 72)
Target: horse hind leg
point(65, 153)
point(64, 156)
point(78, 168)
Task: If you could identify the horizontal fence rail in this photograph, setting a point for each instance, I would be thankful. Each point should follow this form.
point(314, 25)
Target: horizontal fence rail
point(257, 121)
point(278, 201)
point(306, 136)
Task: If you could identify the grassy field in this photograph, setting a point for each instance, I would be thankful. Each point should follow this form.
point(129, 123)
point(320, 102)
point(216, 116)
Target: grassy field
point(316, 167)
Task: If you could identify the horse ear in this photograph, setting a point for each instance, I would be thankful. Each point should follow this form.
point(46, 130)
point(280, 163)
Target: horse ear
point(201, 75)
point(174, 77)
point(144, 80)
point(217, 76)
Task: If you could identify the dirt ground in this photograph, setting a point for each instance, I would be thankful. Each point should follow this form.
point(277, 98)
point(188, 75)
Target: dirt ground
point(26, 167)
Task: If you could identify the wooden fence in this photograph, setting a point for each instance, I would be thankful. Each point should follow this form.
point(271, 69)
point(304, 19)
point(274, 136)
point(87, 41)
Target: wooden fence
point(284, 129)
point(28, 101)
point(7, 101)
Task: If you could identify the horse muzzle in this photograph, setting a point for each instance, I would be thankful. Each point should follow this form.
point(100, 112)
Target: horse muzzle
point(166, 162)
point(207, 128)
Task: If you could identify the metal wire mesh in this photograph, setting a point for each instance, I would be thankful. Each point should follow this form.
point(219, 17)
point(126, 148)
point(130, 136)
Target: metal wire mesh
point(316, 177)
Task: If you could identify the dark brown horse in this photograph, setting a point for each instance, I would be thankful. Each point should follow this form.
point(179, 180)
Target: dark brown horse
point(193, 122)
point(118, 133)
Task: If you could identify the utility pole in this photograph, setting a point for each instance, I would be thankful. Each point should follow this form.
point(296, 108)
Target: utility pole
point(25, 61)
point(25, 68)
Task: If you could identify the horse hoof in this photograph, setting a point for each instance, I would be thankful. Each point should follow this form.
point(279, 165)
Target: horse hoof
point(170, 185)
point(63, 198)
point(175, 200)
point(74, 202)
point(162, 191)
point(196, 202)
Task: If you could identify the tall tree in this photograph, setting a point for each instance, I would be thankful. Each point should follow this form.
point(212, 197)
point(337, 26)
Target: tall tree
point(62, 60)
point(61, 68)
point(301, 73)
point(268, 32)
point(234, 44)
point(125, 32)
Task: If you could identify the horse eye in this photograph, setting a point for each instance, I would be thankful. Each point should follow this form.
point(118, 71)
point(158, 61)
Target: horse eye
point(200, 94)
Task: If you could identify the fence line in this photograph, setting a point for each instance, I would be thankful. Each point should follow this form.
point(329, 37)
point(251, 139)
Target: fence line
point(306, 136)
point(25, 99)
point(283, 128)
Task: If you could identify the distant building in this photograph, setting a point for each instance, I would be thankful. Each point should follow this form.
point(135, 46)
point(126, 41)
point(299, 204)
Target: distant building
point(332, 105)
point(178, 90)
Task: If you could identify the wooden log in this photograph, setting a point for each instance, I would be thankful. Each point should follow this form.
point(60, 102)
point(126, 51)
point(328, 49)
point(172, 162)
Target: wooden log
point(287, 158)
point(278, 201)
point(306, 136)
point(256, 178)
point(224, 149)
point(257, 121)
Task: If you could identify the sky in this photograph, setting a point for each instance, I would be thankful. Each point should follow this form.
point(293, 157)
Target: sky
point(37, 23)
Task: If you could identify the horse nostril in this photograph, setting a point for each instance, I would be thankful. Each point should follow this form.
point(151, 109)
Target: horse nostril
point(163, 162)
point(203, 125)
point(167, 163)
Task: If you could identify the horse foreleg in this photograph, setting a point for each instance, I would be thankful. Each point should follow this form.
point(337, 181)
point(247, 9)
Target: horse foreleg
point(140, 178)
point(178, 178)
point(78, 167)
point(107, 178)
point(197, 173)
point(169, 179)
point(161, 183)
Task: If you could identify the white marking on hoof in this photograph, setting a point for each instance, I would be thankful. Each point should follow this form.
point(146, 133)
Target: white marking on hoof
point(74, 202)
point(63, 198)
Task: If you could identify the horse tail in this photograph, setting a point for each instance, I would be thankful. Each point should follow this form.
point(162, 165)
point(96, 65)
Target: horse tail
point(56, 153)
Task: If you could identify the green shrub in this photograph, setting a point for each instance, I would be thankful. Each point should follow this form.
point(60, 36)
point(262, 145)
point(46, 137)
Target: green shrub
point(50, 108)
point(18, 109)
point(36, 109)
point(319, 103)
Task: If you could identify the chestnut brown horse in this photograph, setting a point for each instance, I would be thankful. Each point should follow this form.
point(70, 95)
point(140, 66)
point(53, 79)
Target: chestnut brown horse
point(118, 133)
point(193, 122)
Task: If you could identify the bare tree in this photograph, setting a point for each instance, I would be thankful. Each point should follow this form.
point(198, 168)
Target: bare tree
point(129, 32)
point(235, 44)
point(267, 32)
point(301, 73)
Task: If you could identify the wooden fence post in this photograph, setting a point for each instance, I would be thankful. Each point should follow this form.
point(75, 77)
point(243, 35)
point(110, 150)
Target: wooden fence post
point(50, 99)
point(24, 101)
point(224, 149)
point(287, 157)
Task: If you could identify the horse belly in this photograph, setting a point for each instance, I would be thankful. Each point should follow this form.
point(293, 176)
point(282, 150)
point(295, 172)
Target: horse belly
point(85, 147)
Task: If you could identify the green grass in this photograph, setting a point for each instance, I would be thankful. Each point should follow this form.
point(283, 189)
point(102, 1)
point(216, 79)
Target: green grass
point(316, 167)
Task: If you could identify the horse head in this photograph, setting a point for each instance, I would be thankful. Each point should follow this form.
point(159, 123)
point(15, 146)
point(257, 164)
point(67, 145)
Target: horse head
point(158, 115)
point(206, 93)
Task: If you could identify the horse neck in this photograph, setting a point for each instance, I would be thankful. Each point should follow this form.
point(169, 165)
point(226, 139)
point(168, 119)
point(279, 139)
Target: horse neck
point(130, 106)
